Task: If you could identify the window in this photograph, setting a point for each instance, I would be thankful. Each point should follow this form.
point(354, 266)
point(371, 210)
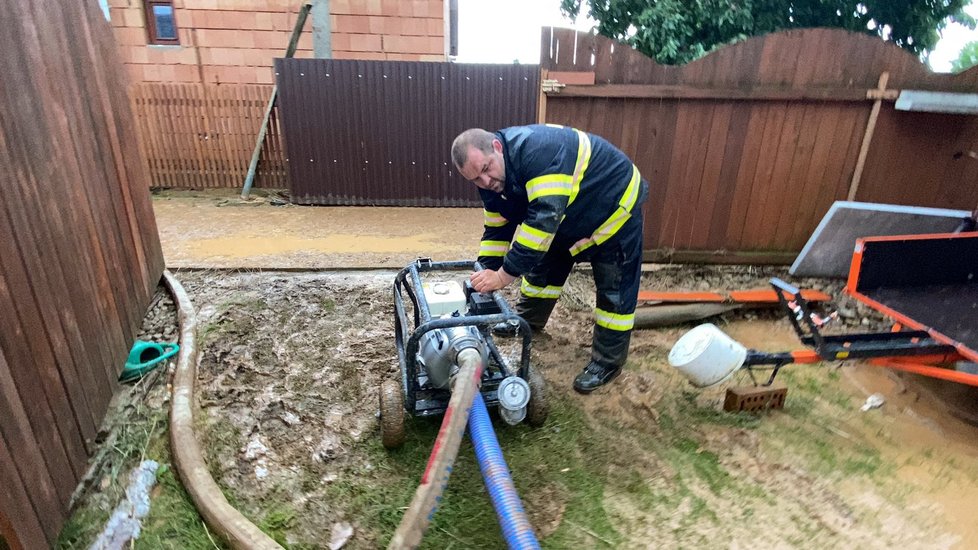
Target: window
point(160, 23)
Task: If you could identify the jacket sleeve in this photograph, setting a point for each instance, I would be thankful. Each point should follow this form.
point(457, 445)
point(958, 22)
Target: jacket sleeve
point(549, 170)
point(496, 236)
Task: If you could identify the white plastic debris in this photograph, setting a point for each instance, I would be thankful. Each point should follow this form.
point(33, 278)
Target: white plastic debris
point(874, 401)
point(341, 533)
point(126, 521)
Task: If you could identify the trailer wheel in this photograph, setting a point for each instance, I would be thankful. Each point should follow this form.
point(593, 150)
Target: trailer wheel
point(391, 414)
point(537, 409)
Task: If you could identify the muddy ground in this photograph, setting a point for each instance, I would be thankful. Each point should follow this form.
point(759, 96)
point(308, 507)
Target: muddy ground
point(288, 392)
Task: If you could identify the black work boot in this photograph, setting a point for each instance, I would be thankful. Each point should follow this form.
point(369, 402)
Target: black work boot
point(594, 376)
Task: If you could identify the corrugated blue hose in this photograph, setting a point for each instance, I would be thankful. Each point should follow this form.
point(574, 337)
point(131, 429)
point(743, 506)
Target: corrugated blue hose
point(516, 527)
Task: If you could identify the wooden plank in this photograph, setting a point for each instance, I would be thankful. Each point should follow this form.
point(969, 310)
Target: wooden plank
point(704, 215)
point(669, 255)
point(570, 78)
point(796, 203)
point(101, 193)
point(682, 91)
point(752, 151)
point(762, 296)
point(26, 468)
point(121, 225)
point(693, 173)
point(674, 180)
point(732, 159)
point(777, 200)
point(867, 140)
point(43, 395)
point(764, 186)
point(814, 200)
point(38, 249)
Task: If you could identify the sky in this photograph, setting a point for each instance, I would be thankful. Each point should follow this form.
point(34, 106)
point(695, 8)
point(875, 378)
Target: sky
point(502, 31)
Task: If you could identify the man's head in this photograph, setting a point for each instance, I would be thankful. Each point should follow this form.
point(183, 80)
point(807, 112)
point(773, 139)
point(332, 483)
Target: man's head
point(478, 156)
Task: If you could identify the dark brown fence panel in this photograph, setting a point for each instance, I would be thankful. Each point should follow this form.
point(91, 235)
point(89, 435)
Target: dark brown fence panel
point(203, 135)
point(747, 148)
point(926, 159)
point(79, 253)
point(379, 132)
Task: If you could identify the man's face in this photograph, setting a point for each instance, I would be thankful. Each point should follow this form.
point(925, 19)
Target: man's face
point(486, 171)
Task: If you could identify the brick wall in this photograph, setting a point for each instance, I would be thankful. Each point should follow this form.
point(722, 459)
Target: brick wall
point(234, 41)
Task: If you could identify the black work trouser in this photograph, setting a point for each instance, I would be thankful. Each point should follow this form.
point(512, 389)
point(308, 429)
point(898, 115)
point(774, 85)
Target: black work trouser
point(617, 268)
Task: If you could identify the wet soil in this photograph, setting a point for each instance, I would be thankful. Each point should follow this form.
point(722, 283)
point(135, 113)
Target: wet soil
point(288, 390)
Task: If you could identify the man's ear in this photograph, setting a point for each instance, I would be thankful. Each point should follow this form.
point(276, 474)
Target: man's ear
point(497, 146)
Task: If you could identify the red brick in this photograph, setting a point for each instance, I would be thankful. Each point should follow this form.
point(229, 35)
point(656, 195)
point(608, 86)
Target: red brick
point(413, 44)
point(365, 7)
point(365, 42)
point(118, 16)
point(263, 21)
point(435, 27)
point(404, 57)
point(285, 21)
point(119, 3)
point(167, 73)
point(265, 39)
point(205, 4)
point(136, 54)
point(435, 44)
point(185, 36)
point(340, 42)
point(359, 24)
point(390, 8)
point(340, 7)
point(264, 75)
point(305, 42)
point(436, 8)
point(130, 36)
point(370, 56)
point(210, 74)
point(135, 73)
point(430, 57)
point(186, 73)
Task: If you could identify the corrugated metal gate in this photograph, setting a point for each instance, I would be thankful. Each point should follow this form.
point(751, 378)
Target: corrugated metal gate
point(379, 132)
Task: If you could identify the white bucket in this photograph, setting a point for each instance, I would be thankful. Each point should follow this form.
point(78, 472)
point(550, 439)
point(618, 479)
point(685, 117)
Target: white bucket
point(706, 356)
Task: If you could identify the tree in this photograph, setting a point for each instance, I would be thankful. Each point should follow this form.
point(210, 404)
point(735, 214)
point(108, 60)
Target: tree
point(967, 58)
point(679, 31)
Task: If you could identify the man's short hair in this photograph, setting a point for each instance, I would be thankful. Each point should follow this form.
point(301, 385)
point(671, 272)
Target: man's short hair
point(473, 137)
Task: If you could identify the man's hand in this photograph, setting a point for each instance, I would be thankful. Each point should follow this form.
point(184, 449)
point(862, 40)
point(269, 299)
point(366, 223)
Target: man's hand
point(488, 280)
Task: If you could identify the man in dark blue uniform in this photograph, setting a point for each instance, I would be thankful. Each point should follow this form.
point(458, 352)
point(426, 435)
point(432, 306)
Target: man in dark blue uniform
point(555, 196)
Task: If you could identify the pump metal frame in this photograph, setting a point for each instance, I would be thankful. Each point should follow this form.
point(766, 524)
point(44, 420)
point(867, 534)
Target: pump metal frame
point(419, 399)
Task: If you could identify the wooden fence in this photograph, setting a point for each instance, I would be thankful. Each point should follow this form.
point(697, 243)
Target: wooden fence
point(203, 135)
point(80, 257)
point(746, 148)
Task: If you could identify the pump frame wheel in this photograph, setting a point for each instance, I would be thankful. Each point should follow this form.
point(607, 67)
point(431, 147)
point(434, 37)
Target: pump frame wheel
point(391, 414)
point(537, 409)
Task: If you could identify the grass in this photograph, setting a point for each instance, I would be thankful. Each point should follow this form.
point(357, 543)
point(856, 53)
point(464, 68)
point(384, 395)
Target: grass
point(550, 460)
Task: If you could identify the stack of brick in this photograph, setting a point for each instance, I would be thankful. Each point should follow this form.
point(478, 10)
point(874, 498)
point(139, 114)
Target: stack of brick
point(235, 41)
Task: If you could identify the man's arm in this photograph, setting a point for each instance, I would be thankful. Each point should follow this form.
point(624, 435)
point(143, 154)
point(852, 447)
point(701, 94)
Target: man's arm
point(496, 236)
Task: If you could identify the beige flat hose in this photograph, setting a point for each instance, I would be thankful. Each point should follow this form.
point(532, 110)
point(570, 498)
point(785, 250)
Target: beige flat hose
point(425, 502)
point(220, 516)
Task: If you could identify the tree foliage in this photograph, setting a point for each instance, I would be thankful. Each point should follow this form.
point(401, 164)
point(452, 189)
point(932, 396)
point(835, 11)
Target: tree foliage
point(967, 58)
point(679, 31)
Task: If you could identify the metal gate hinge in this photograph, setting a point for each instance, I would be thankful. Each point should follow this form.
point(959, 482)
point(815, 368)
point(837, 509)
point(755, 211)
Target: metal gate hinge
point(552, 86)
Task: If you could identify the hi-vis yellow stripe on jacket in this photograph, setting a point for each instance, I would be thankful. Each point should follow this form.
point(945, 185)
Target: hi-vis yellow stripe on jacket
point(562, 186)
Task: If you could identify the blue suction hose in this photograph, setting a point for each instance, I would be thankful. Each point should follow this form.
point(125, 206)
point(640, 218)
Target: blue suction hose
point(516, 527)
